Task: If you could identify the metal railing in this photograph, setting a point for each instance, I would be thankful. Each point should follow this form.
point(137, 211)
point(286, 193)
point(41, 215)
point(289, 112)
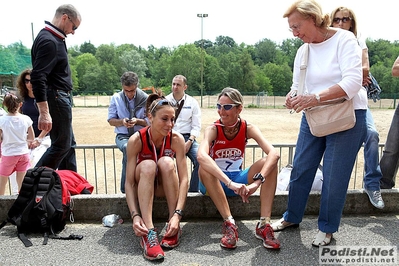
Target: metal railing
point(260, 100)
point(101, 164)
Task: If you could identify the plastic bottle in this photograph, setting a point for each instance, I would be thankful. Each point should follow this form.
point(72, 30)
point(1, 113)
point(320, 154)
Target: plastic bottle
point(111, 220)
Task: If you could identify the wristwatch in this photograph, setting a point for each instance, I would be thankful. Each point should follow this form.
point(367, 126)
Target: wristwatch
point(260, 177)
point(179, 212)
point(317, 97)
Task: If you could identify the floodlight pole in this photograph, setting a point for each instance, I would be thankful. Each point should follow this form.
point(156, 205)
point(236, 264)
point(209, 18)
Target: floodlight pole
point(202, 16)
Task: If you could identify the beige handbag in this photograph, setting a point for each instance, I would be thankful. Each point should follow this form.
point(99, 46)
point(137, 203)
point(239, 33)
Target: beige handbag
point(330, 117)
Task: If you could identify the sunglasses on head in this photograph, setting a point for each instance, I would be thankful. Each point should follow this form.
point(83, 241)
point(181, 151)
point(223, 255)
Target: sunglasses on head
point(226, 107)
point(344, 20)
point(160, 103)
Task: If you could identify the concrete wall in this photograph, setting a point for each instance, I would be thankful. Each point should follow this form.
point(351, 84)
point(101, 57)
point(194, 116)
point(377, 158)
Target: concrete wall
point(94, 207)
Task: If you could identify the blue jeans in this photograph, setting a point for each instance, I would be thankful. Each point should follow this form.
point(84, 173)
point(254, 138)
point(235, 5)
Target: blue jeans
point(61, 153)
point(192, 154)
point(371, 158)
point(121, 143)
point(390, 157)
point(339, 151)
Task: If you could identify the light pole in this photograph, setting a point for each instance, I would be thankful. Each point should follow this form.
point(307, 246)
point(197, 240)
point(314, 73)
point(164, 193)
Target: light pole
point(202, 16)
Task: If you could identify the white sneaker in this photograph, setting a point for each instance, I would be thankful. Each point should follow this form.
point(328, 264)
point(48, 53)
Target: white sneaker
point(375, 198)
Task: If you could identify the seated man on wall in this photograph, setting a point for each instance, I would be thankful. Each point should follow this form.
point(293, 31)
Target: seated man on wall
point(126, 112)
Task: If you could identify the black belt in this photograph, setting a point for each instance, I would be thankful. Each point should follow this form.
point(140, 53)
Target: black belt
point(64, 91)
point(67, 92)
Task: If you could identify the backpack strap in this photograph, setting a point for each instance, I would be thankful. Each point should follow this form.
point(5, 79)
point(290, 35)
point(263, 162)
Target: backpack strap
point(24, 239)
point(70, 237)
point(3, 224)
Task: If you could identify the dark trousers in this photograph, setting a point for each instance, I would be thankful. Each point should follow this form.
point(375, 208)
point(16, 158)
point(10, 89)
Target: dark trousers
point(61, 153)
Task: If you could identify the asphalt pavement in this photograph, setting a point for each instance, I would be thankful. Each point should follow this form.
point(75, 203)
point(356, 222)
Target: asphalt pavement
point(199, 244)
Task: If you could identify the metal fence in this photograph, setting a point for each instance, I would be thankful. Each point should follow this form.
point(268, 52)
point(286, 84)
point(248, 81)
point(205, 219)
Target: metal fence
point(209, 101)
point(101, 165)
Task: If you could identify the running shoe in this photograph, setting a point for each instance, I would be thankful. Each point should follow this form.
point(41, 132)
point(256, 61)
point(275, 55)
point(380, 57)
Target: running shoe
point(171, 241)
point(230, 235)
point(266, 234)
point(150, 244)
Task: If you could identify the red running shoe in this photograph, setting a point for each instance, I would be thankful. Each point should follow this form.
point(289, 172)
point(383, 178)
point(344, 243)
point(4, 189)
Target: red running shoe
point(230, 235)
point(266, 234)
point(171, 241)
point(150, 244)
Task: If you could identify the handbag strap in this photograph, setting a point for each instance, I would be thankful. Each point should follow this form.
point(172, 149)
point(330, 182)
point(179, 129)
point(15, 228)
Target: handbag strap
point(303, 67)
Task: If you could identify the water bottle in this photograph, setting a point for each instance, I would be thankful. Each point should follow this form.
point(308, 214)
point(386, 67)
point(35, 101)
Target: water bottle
point(111, 220)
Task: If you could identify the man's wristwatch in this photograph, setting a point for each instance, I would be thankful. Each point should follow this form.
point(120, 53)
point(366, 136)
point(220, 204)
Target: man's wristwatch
point(260, 177)
point(179, 212)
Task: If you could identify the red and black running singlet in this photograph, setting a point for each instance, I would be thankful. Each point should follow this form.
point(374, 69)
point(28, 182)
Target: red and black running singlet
point(229, 154)
point(148, 150)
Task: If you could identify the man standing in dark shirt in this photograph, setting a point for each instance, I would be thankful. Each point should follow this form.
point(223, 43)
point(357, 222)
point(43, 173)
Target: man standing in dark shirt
point(52, 85)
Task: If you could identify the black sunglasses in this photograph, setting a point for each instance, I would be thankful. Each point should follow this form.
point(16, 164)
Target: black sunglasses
point(27, 81)
point(73, 24)
point(344, 19)
point(226, 107)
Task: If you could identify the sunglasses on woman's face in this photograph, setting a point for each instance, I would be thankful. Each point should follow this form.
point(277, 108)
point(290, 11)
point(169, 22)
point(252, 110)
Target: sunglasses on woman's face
point(27, 81)
point(226, 107)
point(344, 20)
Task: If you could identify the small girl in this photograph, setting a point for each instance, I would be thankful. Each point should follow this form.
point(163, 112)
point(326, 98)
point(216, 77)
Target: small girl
point(17, 135)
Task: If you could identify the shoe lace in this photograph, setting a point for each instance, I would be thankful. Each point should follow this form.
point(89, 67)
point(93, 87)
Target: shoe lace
point(377, 195)
point(268, 232)
point(229, 231)
point(152, 238)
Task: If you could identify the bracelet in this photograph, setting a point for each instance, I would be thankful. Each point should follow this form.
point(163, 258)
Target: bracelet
point(191, 140)
point(39, 140)
point(137, 214)
point(228, 185)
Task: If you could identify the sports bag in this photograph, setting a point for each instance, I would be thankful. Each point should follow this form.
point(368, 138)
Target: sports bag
point(42, 206)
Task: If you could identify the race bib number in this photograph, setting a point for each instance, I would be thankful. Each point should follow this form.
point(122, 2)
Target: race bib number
point(228, 165)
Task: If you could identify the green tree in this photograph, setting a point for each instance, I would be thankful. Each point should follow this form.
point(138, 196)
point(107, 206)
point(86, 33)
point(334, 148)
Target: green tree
point(247, 83)
point(82, 63)
point(289, 48)
point(280, 78)
point(265, 52)
point(88, 47)
point(186, 60)
point(106, 54)
point(215, 77)
point(133, 61)
point(7, 61)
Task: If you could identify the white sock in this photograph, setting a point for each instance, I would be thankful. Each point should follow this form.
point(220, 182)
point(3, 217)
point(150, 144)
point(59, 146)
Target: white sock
point(230, 219)
point(264, 220)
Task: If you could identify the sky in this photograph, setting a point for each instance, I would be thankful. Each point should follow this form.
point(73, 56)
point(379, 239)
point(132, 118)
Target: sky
point(175, 22)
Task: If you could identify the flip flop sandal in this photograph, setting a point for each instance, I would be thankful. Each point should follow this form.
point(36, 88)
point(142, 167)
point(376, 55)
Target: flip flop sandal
point(279, 225)
point(322, 239)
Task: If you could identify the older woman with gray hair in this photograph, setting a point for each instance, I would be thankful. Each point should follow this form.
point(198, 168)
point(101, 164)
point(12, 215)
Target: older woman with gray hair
point(334, 70)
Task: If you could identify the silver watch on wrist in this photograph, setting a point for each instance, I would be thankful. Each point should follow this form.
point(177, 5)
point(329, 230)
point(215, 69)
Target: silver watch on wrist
point(317, 97)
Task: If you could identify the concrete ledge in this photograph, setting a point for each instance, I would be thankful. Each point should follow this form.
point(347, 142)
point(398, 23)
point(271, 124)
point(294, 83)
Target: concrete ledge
point(94, 207)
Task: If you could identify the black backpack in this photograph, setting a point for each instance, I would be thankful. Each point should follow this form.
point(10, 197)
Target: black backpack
point(42, 206)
